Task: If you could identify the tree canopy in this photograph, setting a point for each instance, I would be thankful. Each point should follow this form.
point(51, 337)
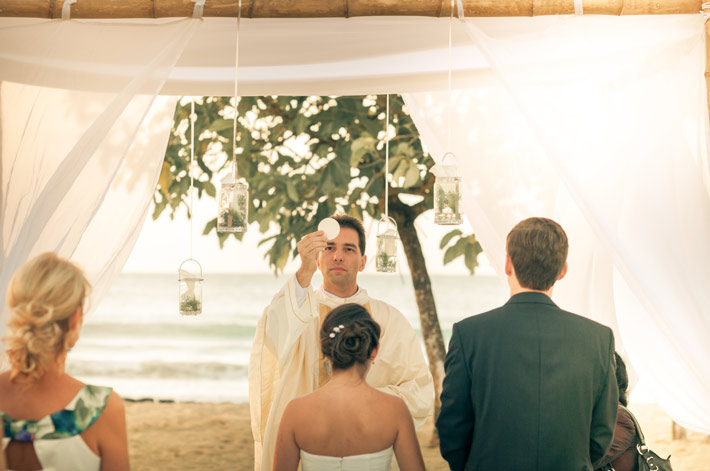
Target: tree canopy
point(304, 158)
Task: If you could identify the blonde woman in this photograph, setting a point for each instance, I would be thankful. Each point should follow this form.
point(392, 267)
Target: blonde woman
point(50, 419)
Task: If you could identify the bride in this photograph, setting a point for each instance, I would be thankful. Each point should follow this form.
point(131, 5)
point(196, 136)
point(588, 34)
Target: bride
point(347, 424)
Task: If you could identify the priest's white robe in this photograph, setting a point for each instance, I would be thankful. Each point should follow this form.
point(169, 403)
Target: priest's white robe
point(286, 361)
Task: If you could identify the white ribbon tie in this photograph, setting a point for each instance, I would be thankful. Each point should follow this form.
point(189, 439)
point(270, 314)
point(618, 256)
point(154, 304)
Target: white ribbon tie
point(66, 9)
point(199, 8)
point(578, 7)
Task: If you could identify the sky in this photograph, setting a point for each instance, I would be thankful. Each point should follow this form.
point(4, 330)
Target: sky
point(163, 244)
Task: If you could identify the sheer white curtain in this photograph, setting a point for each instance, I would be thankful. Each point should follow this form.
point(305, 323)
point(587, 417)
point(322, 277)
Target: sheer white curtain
point(79, 167)
point(600, 123)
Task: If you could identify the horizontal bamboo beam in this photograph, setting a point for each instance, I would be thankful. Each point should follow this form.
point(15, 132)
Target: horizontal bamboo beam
point(338, 8)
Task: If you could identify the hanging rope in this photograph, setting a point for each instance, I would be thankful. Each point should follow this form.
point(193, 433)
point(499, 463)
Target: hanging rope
point(448, 128)
point(387, 155)
point(192, 158)
point(236, 94)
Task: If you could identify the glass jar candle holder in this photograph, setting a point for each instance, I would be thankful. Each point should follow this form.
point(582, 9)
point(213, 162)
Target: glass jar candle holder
point(447, 193)
point(387, 243)
point(190, 290)
point(447, 201)
point(233, 212)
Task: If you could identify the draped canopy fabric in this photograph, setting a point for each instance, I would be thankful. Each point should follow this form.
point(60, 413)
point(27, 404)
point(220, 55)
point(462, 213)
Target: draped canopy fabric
point(598, 122)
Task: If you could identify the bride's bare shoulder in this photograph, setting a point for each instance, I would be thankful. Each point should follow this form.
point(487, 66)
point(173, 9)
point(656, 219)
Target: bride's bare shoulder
point(304, 404)
point(389, 402)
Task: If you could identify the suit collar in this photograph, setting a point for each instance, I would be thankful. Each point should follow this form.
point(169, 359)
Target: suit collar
point(531, 297)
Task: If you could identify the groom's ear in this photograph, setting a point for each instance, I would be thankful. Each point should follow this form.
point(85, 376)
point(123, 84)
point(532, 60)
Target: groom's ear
point(508, 265)
point(563, 273)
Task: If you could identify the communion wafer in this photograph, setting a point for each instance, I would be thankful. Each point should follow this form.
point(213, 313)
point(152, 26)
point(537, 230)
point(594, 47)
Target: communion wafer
point(330, 228)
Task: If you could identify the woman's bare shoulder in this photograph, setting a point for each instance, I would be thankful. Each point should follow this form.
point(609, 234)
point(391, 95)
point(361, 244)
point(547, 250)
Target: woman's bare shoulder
point(390, 404)
point(114, 412)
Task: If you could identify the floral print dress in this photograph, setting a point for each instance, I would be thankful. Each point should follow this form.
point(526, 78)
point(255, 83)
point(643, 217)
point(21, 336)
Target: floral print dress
point(56, 437)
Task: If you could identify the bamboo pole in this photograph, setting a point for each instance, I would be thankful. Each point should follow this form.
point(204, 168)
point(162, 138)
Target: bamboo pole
point(338, 8)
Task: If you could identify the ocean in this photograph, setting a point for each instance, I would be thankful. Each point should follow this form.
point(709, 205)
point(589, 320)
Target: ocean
point(137, 342)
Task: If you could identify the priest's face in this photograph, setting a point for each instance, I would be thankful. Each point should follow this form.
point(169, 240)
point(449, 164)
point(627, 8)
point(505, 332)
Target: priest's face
point(340, 263)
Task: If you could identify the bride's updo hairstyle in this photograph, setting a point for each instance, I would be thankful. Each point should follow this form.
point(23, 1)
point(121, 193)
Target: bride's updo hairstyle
point(348, 336)
point(42, 296)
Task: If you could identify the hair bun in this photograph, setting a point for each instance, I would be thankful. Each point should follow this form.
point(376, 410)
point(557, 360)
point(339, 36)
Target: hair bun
point(31, 313)
point(43, 295)
point(351, 346)
point(349, 335)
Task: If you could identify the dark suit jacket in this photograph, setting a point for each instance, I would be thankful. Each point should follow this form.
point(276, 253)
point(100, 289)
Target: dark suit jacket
point(528, 387)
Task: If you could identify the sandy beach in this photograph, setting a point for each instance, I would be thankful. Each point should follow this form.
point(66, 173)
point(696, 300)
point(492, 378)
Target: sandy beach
point(194, 436)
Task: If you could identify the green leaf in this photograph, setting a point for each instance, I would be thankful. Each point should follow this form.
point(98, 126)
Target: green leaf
point(447, 238)
point(341, 173)
point(412, 176)
point(359, 147)
point(455, 251)
point(291, 191)
point(209, 189)
point(159, 207)
point(327, 183)
point(220, 124)
point(283, 252)
point(376, 187)
point(299, 124)
point(211, 225)
point(395, 160)
point(470, 260)
point(263, 241)
point(450, 254)
point(400, 170)
point(403, 148)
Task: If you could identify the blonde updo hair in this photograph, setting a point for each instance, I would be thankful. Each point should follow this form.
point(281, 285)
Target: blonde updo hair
point(42, 296)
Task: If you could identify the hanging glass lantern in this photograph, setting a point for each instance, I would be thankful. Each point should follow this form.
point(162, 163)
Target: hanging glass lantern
point(190, 290)
point(233, 212)
point(387, 242)
point(447, 193)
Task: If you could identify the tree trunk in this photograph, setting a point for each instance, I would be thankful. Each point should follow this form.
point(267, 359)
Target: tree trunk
point(338, 8)
point(431, 330)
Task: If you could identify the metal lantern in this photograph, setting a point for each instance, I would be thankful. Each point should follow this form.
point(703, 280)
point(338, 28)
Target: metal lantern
point(447, 193)
point(387, 242)
point(190, 290)
point(233, 209)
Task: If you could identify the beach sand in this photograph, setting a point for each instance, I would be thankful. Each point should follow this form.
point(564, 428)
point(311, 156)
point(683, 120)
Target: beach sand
point(192, 436)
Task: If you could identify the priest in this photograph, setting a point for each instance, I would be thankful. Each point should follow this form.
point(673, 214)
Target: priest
point(286, 361)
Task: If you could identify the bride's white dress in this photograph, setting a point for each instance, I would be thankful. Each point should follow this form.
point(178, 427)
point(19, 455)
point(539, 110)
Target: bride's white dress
point(379, 461)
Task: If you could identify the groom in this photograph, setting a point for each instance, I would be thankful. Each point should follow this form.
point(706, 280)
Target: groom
point(529, 386)
point(286, 360)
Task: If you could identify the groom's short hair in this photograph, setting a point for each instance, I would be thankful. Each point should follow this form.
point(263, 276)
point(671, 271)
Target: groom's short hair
point(353, 223)
point(538, 250)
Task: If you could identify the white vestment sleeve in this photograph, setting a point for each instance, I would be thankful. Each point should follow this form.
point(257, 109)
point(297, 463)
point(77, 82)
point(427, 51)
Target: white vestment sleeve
point(400, 367)
point(275, 354)
point(301, 293)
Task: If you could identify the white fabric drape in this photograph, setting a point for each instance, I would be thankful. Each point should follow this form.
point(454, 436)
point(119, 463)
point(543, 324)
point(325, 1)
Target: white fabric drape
point(599, 122)
point(606, 133)
point(79, 167)
point(277, 56)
